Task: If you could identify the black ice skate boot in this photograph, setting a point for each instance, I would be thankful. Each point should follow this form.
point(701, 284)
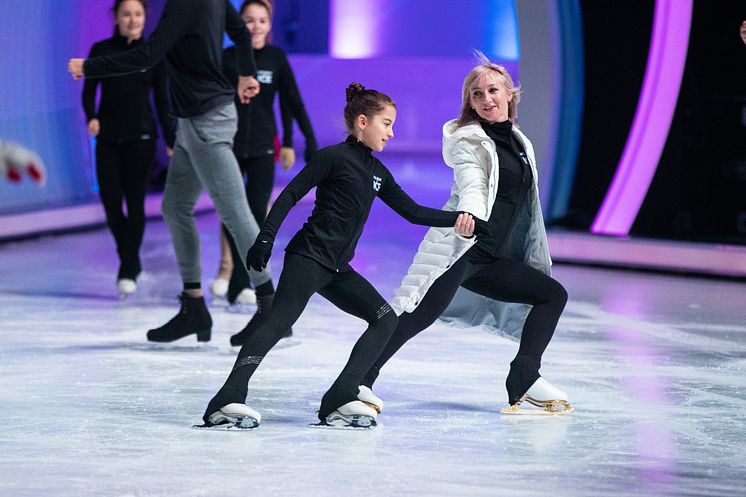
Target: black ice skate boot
point(263, 309)
point(193, 317)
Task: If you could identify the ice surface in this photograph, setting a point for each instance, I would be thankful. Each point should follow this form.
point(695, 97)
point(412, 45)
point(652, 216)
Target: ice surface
point(655, 367)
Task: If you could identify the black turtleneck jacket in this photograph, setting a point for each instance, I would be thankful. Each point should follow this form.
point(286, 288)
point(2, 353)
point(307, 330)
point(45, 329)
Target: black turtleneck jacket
point(124, 110)
point(257, 128)
point(511, 214)
point(347, 178)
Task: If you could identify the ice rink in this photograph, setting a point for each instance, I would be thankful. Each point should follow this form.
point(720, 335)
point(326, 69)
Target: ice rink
point(654, 364)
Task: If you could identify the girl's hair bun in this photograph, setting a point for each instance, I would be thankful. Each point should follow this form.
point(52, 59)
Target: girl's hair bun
point(352, 90)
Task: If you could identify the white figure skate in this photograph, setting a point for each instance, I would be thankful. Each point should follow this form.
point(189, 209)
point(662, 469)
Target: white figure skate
point(353, 414)
point(230, 416)
point(550, 400)
point(219, 287)
point(246, 297)
point(367, 397)
point(126, 286)
point(17, 161)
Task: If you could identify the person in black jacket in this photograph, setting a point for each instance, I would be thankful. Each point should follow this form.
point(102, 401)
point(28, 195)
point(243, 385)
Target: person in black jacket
point(347, 178)
point(254, 144)
point(125, 137)
point(189, 35)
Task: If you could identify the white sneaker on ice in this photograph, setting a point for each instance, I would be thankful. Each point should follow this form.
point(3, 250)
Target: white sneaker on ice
point(354, 414)
point(246, 297)
point(542, 394)
point(126, 286)
point(367, 397)
point(236, 415)
point(219, 287)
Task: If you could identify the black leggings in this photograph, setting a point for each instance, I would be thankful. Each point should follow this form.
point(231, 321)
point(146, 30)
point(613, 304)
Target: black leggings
point(302, 277)
point(503, 279)
point(260, 178)
point(122, 170)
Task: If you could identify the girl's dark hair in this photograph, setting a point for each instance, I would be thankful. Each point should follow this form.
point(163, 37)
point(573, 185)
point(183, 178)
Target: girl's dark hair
point(118, 3)
point(267, 4)
point(363, 102)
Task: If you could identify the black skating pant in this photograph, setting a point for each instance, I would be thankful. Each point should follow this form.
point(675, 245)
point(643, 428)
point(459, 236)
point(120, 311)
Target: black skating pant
point(123, 170)
point(302, 277)
point(502, 279)
point(260, 179)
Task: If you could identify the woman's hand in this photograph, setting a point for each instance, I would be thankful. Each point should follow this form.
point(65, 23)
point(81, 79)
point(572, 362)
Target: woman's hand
point(75, 68)
point(287, 157)
point(94, 126)
point(464, 225)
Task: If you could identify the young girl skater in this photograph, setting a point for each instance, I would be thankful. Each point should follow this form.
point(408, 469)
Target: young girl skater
point(347, 178)
point(495, 179)
point(254, 140)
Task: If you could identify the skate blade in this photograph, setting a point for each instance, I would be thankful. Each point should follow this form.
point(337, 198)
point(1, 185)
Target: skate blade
point(548, 409)
point(236, 423)
point(352, 423)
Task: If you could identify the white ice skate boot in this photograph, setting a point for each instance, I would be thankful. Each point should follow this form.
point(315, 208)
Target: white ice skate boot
point(219, 287)
point(542, 394)
point(367, 397)
point(234, 416)
point(126, 286)
point(353, 414)
point(246, 297)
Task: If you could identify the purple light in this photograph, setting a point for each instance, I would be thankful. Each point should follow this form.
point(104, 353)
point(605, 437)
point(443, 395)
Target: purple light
point(354, 28)
point(655, 109)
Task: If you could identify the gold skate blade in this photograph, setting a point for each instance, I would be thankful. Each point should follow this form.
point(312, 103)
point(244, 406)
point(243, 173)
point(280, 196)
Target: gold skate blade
point(561, 406)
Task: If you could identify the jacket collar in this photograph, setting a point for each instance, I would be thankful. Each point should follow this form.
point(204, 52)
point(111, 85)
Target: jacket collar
point(358, 145)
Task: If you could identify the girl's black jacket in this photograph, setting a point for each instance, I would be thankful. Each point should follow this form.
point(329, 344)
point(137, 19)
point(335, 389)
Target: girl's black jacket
point(347, 178)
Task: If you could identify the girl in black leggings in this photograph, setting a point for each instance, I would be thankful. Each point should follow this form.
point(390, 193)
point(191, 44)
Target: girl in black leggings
point(495, 179)
point(126, 135)
point(347, 178)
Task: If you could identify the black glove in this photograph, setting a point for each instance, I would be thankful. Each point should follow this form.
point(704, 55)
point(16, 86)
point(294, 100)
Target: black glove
point(258, 255)
point(311, 149)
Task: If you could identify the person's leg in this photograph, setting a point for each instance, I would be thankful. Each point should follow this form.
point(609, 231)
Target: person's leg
point(511, 281)
point(183, 188)
point(300, 279)
point(109, 173)
point(211, 137)
point(138, 161)
point(436, 301)
point(260, 178)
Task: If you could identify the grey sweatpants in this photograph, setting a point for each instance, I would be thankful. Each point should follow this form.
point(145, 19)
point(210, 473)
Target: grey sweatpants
point(203, 158)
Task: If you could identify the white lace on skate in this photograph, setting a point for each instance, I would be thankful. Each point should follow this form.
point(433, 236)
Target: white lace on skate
point(235, 416)
point(353, 414)
point(542, 394)
point(367, 397)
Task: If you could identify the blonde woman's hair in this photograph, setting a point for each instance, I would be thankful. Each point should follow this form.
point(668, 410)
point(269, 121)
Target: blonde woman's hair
point(486, 66)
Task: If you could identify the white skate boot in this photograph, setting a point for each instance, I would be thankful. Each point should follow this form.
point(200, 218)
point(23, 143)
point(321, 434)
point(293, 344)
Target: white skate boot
point(367, 397)
point(219, 287)
point(126, 286)
point(246, 297)
point(234, 415)
point(353, 414)
point(542, 394)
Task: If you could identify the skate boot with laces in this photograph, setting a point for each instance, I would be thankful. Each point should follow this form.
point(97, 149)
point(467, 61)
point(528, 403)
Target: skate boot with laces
point(193, 317)
point(238, 416)
point(263, 309)
point(367, 397)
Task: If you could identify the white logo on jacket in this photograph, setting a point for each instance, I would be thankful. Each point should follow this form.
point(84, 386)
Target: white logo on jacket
point(377, 183)
point(264, 76)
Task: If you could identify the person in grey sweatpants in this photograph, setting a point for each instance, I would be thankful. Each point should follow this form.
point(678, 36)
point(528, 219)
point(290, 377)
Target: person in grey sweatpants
point(189, 35)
